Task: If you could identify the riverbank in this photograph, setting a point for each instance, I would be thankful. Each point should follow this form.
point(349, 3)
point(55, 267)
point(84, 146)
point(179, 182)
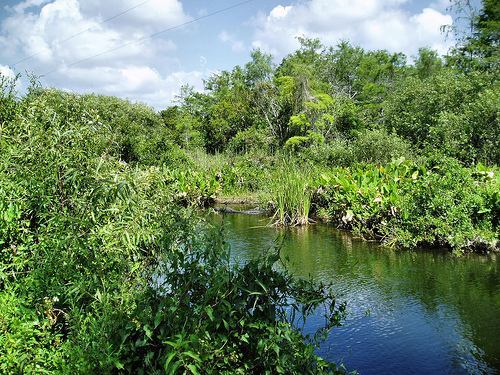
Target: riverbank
point(403, 204)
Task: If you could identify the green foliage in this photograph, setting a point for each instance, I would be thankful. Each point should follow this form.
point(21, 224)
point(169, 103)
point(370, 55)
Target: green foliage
point(260, 69)
point(214, 317)
point(427, 63)
point(248, 140)
point(454, 113)
point(8, 100)
point(377, 146)
point(296, 143)
point(131, 132)
point(191, 187)
point(477, 46)
point(487, 31)
point(29, 341)
point(247, 173)
point(439, 203)
point(335, 152)
point(102, 273)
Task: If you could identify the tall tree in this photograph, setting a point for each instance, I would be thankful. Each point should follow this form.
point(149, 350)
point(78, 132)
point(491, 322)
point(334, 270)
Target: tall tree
point(340, 68)
point(260, 69)
point(427, 63)
point(478, 43)
point(486, 36)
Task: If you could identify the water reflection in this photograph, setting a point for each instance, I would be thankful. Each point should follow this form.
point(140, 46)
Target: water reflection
point(430, 312)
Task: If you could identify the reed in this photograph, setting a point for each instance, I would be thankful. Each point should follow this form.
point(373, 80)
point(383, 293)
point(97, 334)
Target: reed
point(292, 197)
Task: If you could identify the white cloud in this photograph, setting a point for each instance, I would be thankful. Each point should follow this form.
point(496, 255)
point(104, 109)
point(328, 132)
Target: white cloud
point(116, 57)
point(7, 72)
point(428, 24)
point(138, 83)
point(373, 24)
point(236, 45)
point(102, 57)
point(280, 12)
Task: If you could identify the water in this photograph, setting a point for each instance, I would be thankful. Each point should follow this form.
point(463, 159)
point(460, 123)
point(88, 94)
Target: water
point(429, 311)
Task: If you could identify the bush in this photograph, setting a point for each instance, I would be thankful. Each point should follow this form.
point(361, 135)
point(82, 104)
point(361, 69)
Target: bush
point(455, 113)
point(450, 206)
point(439, 203)
point(8, 101)
point(101, 274)
point(379, 147)
point(249, 140)
point(336, 152)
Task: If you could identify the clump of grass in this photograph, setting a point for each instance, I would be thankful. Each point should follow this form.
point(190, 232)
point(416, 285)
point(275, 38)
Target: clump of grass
point(291, 195)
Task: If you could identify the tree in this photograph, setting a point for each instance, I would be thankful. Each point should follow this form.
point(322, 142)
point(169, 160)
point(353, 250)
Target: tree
point(340, 69)
point(478, 44)
point(275, 106)
point(486, 35)
point(260, 69)
point(303, 61)
point(377, 73)
point(427, 63)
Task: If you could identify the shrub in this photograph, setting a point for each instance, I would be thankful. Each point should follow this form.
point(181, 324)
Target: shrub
point(377, 146)
point(456, 113)
point(101, 274)
point(438, 203)
point(249, 140)
point(336, 152)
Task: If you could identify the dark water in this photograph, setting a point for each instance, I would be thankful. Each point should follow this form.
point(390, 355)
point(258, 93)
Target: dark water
point(430, 312)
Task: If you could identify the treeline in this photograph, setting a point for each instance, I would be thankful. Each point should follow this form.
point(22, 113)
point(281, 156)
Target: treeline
point(342, 105)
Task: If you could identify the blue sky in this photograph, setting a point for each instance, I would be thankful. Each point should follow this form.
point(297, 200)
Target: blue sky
point(152, 70)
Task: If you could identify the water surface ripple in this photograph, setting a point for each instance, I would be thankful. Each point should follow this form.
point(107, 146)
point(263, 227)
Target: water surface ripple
point(429, 312)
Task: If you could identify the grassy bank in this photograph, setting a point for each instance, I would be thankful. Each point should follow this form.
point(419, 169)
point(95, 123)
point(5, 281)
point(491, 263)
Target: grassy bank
point(435, 201)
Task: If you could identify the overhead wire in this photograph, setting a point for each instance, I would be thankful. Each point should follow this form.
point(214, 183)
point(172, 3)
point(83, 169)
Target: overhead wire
point(81, 32)
point(149, 36)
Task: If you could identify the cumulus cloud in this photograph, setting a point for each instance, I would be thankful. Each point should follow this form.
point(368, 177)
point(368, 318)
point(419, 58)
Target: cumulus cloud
point(6, 71)
point(374, 24)
point(69, 41)
point(103, 46)
point(397, 32)
point(48, 34)
point(138, 83)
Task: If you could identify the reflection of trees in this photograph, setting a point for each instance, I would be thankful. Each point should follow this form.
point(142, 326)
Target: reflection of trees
point(465, 291)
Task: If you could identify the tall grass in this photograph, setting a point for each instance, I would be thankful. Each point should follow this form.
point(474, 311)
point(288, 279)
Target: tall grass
point(291, 194)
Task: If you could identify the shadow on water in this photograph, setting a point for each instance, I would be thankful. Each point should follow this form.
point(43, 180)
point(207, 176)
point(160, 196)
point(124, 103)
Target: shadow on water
point(430, 312)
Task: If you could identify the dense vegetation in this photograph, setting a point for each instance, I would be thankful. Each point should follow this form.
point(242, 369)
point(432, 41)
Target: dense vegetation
point(102, 268)
point(405, 153)
point(108, 266)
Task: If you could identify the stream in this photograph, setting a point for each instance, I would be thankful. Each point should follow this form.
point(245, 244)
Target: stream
point(422, 311)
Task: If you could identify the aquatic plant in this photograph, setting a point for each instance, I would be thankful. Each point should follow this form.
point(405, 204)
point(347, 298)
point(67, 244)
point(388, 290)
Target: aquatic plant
point(291, 193)
point(192, 187)
point(406, 204)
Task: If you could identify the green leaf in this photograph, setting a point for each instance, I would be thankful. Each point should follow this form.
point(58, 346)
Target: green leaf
point(192, 355)
point(193, 369)
point(118, 364)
